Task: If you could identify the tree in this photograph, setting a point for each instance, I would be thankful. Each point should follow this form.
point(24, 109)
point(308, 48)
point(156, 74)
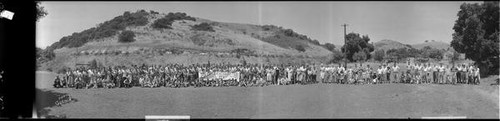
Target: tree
point(359, 56)
point(412, 52)
point(476, 34)
point(356, 43)
point(436, 54)
point(336, 57)
point(300, 48)
point(43, 56)
point(454, 56)
point(40, 11)
point(166, 22)
point(203, 27)
point(329, 46)
point(379, 55)
point(429, 52)
point(316, 42)
point(93, 64)
point(397, 54)
point(126, 36)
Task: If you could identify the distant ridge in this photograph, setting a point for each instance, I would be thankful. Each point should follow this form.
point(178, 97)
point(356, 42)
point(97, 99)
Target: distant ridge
point(432, 44)
point(387, 44)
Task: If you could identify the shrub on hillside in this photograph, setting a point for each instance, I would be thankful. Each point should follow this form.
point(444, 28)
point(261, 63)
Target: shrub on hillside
point(166, 22)
point(286, 38)
point(44, 55)
point(337, 56)
point(359, 56)
point(103, 30)
point(203, 27)
point(268, 27)
point(153, 12)
point(93, 64)
point(300, 48)
point(162, 23)
point(198, 40)
point(126, 37)
point(177, 51)
point(379, 55)
point(329, 46)
point(242, 51)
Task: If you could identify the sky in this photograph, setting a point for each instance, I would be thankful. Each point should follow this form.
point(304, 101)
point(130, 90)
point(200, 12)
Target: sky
point(406, 22)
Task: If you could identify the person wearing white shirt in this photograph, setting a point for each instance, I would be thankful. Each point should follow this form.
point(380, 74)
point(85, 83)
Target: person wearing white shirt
point(441, 74)
point(463, 74)
point(322, 74)
point(429, 75)
point(470, 74)
point(448, 75)
point(477, 76)
point(416, 74)
point(379, 74)
point(424, 73)
point(434, 74)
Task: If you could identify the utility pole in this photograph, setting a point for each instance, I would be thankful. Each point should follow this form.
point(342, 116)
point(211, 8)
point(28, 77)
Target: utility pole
point(345, 46)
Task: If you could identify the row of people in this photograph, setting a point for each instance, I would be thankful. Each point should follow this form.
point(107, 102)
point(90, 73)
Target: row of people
point(258, 75)
point(415, 73)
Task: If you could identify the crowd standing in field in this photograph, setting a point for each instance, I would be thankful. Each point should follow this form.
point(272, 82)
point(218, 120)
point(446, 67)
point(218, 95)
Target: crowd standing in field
point(176, 76)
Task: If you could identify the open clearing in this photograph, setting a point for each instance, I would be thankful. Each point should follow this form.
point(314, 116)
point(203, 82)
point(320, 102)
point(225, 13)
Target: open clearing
point(291, 101)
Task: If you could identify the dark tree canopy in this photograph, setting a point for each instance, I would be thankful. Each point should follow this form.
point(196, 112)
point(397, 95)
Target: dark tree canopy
point(336, 57)
point(300, 48)
point(166, 22)
point(93, 64)
point(126, 36)
point(429, 52)
point(40, 11)
point(454, 56)
point(379, 55)
point(356, 43)
point(359, 56)
point(44, 55)
point(329, 46)
point(203, 27)
point(476, 34)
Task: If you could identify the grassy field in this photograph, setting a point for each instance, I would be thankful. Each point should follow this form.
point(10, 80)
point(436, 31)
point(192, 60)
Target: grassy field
point(292, 101)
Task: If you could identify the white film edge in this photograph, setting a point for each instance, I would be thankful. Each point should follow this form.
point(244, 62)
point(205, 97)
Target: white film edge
point(7, 14)
point(166, 117)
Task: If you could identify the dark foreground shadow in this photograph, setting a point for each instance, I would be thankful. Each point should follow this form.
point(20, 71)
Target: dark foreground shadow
point(49, 98)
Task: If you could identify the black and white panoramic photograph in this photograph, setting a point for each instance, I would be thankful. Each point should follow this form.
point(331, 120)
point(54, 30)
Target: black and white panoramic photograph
point(267, 60)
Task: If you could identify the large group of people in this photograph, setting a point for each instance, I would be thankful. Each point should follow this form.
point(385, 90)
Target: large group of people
point(413, 74)
point(175, 76)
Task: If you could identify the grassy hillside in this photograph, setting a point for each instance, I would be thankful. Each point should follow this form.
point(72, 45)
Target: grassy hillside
point(389, 44)
point(179, 38)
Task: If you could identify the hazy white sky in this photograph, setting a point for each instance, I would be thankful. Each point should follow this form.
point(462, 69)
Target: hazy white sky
point(407, 22)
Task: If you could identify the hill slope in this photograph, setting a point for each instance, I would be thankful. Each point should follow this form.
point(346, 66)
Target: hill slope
point(433, 44)
point(180, 43)
point(389, 44)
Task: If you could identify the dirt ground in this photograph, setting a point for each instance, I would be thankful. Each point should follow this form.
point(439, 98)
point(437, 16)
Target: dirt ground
point(290, 101)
